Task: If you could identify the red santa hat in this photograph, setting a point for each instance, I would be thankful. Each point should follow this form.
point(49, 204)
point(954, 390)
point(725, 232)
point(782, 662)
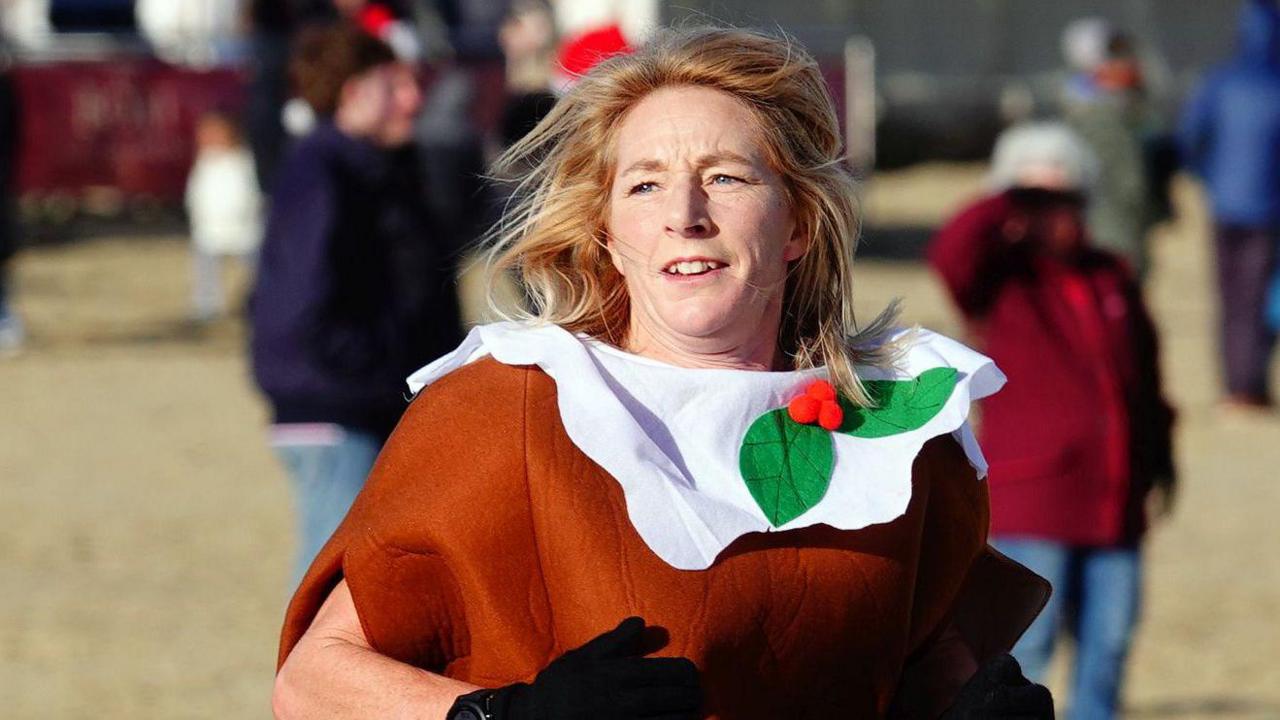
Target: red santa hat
point(379, 21)
point(581, 52)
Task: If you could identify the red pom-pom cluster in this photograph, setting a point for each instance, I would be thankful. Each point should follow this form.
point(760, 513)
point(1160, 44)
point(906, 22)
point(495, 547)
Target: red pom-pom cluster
point(817, 404)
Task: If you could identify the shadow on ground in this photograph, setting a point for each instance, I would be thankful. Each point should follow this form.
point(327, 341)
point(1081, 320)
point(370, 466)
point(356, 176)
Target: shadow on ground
point(179, 331)
point(1214, 707)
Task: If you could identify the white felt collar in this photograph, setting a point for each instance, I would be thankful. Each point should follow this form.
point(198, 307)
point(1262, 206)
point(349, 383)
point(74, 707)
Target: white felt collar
point(670, 436)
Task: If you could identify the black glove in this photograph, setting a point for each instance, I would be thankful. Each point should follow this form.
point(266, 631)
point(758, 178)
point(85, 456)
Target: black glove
point(998, 690)
point(607, 679)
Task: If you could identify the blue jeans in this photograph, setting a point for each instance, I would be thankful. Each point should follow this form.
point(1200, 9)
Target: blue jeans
point(1096, 597)
point(12, 333)
point(327, 470)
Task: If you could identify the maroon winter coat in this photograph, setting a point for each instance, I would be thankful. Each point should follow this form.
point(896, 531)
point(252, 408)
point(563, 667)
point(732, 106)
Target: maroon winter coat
point(1081, 431)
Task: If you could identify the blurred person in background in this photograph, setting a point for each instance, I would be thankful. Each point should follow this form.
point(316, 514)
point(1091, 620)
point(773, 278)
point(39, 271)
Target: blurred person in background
point(456, 38)
point(1104, 102)
point(197, 33)
point(380, 18)
point(591, 30)
point(528, 38)
point(1230, 138)
point(12, 330)
point(272, 27)
point(1079, 441)
point(26, 23)
point(444, 34)
point(224, 208)
point(1084, 47)
point(464, 30)
point(549, 44)
point(386, 20)
point(353, 291)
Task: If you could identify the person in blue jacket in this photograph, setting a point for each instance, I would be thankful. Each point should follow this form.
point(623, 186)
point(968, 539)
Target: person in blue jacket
point(355, 285)
point(1230, 137)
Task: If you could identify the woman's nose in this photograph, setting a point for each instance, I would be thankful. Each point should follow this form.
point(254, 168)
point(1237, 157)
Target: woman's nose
point(687, 214)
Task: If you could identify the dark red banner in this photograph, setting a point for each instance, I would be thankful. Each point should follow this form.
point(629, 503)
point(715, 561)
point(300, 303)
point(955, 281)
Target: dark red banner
point(124, 123)
point(128, 123)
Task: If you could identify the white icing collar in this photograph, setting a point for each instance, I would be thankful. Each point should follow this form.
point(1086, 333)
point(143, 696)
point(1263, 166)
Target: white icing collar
point(671, 436)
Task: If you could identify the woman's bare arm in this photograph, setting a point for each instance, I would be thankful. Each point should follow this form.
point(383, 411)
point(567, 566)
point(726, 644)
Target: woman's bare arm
point(333, 672)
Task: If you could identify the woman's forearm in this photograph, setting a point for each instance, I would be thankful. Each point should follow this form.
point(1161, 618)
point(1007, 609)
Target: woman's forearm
point(334, 673)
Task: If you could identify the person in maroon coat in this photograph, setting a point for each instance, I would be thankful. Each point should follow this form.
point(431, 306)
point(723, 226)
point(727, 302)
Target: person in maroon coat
point(1081, 436)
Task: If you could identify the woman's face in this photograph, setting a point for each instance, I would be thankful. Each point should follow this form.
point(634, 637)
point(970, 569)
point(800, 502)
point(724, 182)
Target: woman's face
point(699, 225)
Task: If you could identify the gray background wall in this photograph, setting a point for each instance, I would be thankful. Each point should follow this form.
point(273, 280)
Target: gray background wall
point(989, 37)
point(948, 72)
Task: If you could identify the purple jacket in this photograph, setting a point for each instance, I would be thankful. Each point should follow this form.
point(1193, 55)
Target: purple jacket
point(353, 291)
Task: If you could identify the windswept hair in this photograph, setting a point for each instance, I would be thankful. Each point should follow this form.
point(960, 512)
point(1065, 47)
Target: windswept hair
point(553, 234)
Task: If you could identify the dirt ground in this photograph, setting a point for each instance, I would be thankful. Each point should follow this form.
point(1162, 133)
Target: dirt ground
point(145, 527)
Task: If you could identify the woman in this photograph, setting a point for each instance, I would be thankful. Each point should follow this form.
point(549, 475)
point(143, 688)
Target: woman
point(685, 228)
point(1073, 473)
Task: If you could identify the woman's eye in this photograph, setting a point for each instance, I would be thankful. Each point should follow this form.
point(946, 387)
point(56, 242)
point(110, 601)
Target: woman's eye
point(724, 180)
point(642, 188)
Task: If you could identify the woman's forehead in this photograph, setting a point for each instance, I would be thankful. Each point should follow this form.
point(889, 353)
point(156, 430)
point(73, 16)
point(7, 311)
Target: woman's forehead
point(688, 125)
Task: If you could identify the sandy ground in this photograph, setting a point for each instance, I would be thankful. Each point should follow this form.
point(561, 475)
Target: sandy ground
point(145, 528)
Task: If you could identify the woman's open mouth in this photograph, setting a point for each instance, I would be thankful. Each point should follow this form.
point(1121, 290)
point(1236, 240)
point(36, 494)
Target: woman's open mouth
point(692, 268)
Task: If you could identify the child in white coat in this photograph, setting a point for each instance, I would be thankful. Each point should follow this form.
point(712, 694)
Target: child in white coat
point(224, 207)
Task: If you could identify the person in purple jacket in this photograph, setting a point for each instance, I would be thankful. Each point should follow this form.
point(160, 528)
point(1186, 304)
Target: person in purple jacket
point(1230, 137)
point(354, 290)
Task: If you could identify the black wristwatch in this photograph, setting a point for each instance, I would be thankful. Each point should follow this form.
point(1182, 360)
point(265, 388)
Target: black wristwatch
point(472, 706)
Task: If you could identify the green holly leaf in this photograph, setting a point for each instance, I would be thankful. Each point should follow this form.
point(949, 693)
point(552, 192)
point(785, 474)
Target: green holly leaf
point(900, 405)
point(787, 465)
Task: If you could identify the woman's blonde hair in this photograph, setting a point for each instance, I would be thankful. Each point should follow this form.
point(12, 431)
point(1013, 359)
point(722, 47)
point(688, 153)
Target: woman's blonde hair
point(553, 233)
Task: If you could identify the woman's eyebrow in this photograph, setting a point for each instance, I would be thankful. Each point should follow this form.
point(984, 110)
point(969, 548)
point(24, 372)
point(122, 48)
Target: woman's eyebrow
point(646, 165)
point(703, 161)
point(721, 158)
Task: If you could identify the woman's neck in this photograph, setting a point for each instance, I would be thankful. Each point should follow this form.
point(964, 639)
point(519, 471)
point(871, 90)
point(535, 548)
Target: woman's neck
point(754, 351)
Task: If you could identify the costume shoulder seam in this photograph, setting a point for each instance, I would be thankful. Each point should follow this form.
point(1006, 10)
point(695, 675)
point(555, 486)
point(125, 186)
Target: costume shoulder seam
point(484, 370)
point(485, 384)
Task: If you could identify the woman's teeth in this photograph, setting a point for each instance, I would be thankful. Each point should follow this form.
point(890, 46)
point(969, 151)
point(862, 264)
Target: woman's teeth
point(692, 267)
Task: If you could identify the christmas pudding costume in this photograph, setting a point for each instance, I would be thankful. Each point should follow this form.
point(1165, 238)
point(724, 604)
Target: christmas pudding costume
point(531, 498)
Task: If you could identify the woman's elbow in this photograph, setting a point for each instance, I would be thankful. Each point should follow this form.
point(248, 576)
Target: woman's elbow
point(286, 695)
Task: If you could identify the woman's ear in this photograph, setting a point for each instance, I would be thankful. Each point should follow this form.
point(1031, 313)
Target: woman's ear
point(798, 244)
point(611, 246)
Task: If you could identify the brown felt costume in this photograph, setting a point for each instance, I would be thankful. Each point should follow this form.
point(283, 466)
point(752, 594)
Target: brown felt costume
point(485, 544)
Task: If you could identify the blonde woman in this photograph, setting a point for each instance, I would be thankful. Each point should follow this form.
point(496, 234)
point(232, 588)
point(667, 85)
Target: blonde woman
point(687, 484)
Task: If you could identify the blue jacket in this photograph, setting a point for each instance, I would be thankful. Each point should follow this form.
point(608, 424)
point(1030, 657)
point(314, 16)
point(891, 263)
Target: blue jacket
point(354, 289)
point(1230, 130)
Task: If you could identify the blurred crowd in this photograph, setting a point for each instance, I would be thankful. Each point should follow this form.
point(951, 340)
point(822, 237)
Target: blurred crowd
point(352, 186)
point(354, 192)
point(1047, 269)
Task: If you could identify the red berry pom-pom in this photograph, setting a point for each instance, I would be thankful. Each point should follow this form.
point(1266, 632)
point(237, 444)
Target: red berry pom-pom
point(803, 409)
point(821, 390)
point(830, 415)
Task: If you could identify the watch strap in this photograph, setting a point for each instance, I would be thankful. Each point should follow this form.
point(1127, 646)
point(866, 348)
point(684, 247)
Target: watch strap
point(476, 705)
